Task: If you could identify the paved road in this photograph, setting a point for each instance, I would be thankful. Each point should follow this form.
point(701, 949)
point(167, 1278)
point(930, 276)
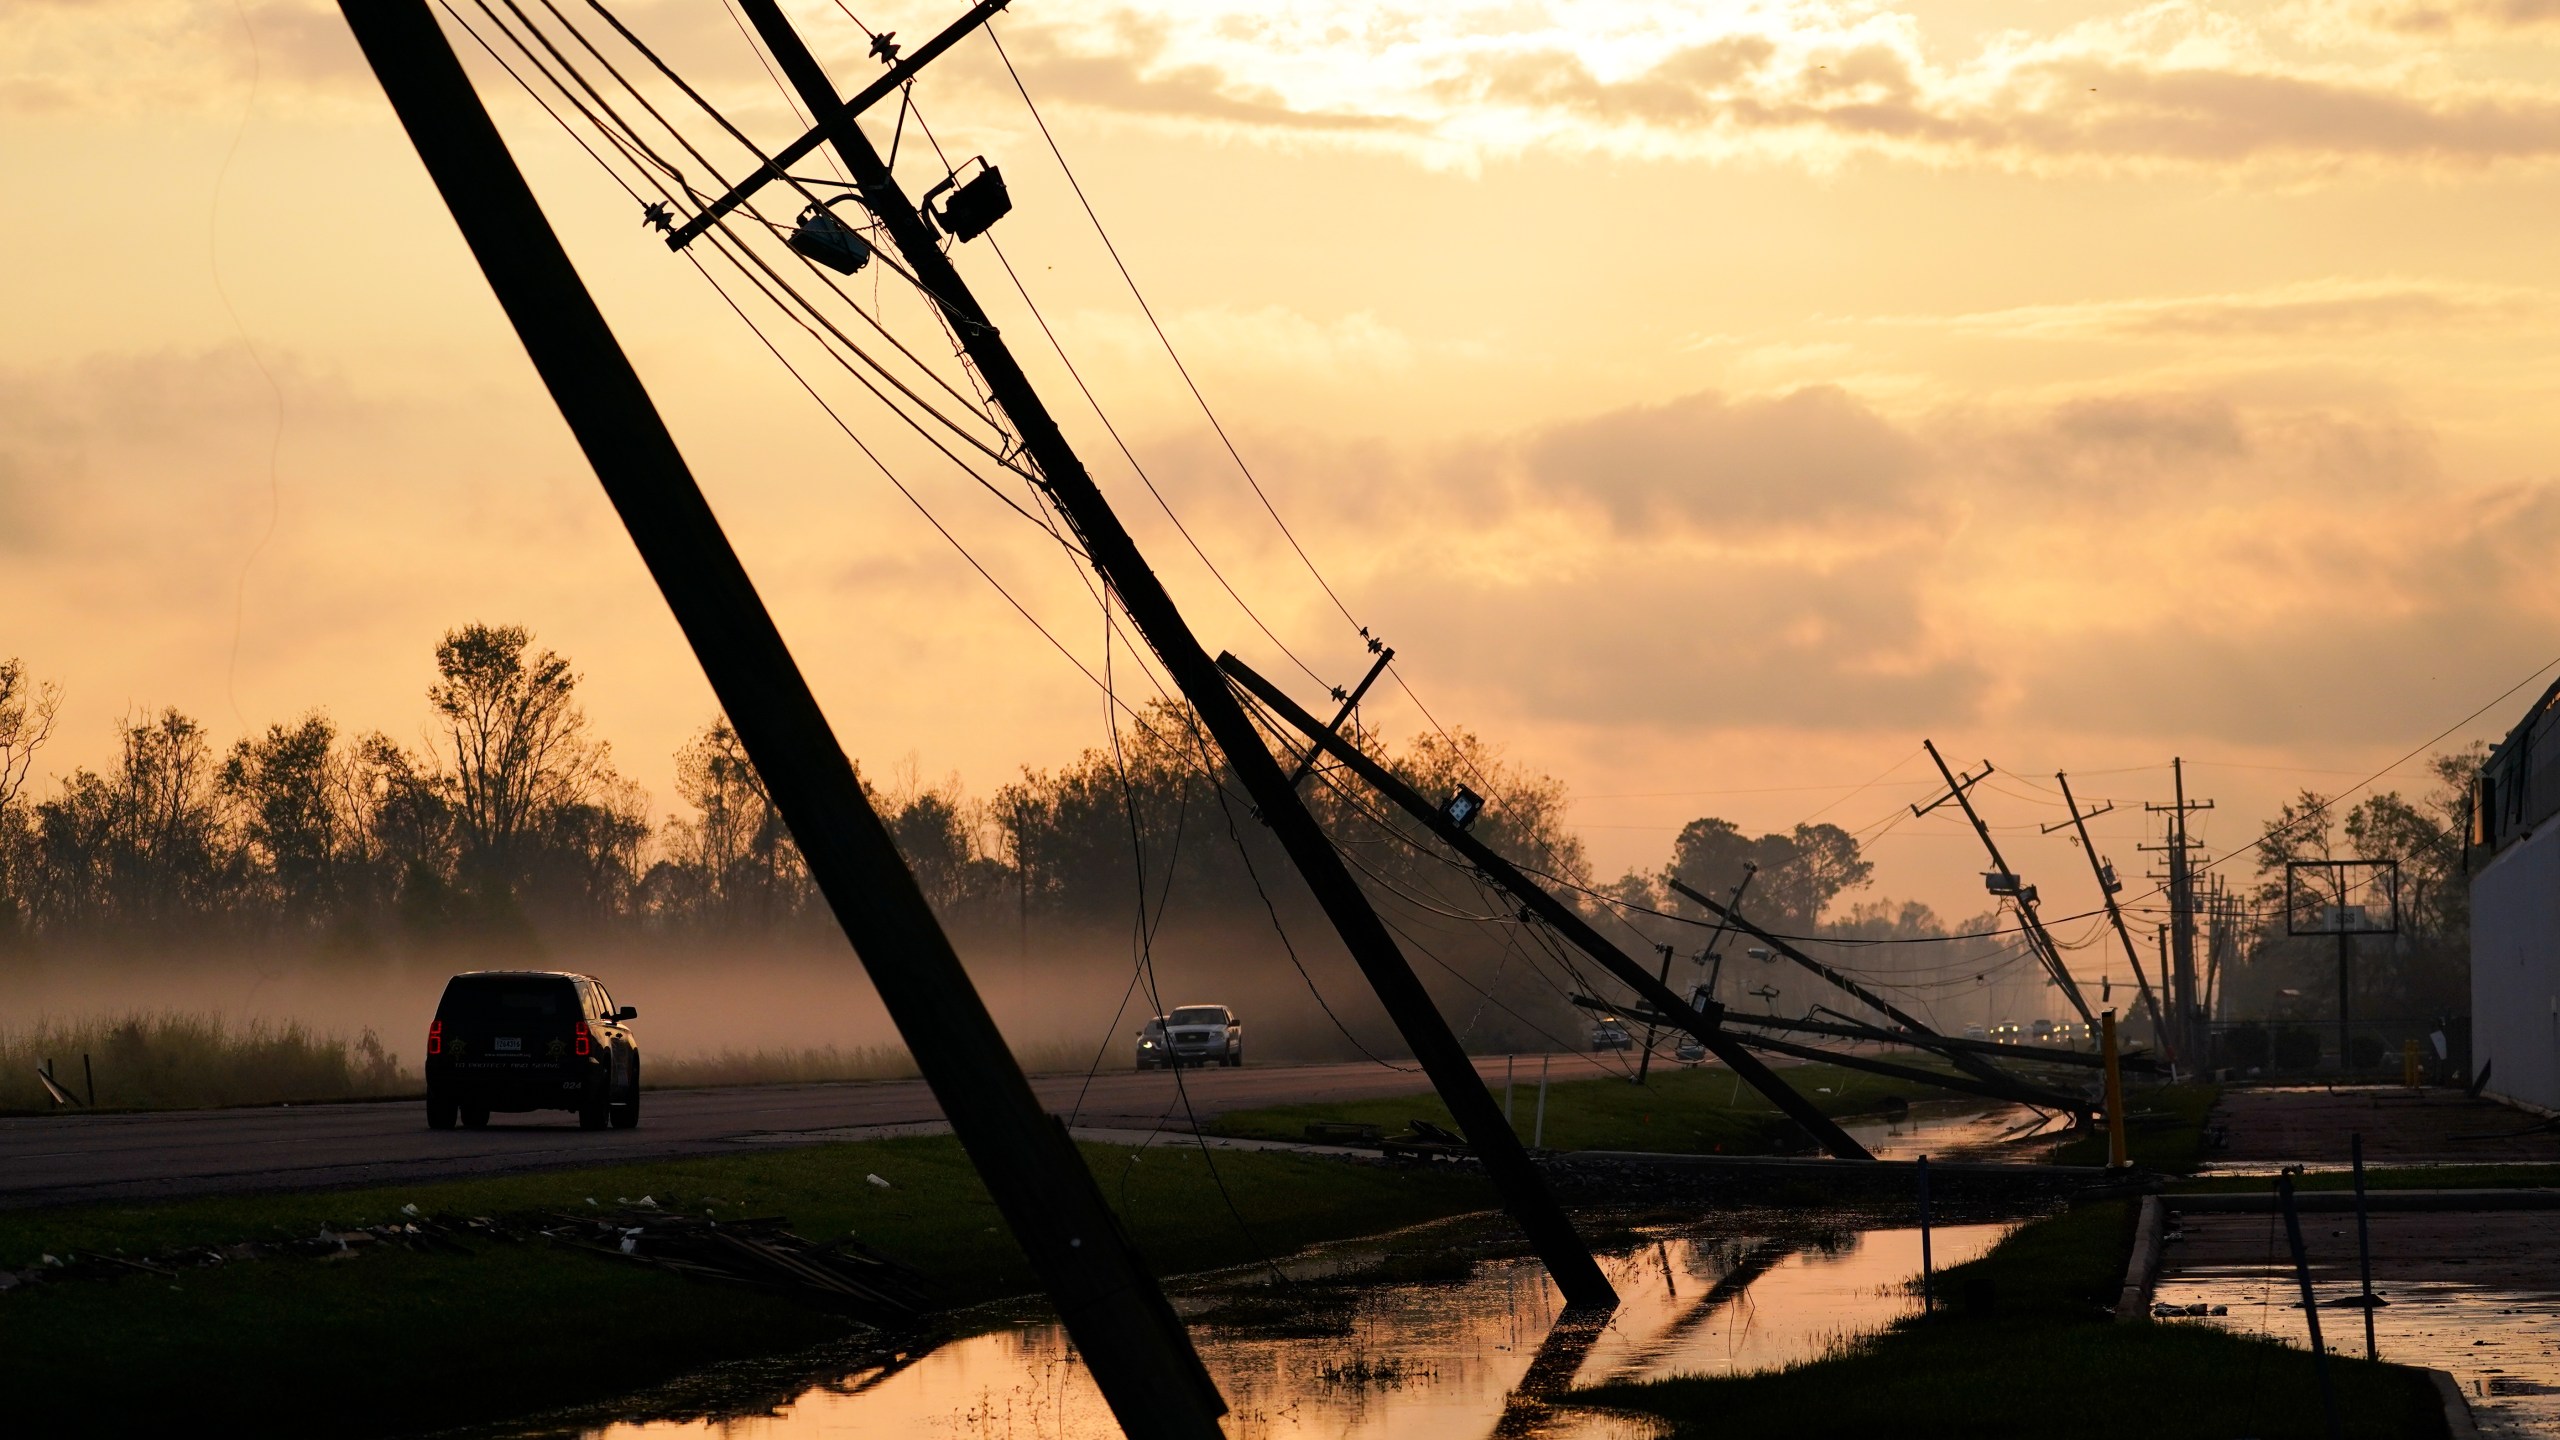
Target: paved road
point(61, 1159)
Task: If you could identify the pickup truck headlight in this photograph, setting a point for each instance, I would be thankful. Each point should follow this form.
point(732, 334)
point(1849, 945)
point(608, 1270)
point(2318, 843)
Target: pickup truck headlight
point(1146, 1044)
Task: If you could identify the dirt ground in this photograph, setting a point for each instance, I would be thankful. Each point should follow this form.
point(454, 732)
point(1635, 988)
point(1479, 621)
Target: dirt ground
point(2309, 1125)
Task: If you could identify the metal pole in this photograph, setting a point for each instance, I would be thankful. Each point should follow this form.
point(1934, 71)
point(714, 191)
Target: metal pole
point(2364, 1246)
point(1133, 1343)
point(88, 1080)
point(1538, 1136)
point(1116, 558)
point(1928, 1280)
point(2310, 1303)
point(2344, 941)
point(1508, 1062)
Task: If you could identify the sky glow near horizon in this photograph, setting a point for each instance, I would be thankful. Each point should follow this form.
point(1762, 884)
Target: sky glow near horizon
point(1707, 401)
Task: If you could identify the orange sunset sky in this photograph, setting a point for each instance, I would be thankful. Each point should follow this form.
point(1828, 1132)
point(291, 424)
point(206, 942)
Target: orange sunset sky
point(1707, 400)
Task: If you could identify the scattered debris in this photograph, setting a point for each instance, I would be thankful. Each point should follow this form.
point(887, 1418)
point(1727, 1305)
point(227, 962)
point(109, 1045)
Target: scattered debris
point(2166, 1311)
point(845, 1274)
point(1423, 1140)
point(876, 1180)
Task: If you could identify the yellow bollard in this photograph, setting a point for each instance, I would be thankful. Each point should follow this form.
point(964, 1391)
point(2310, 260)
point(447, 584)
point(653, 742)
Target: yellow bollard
point(2116, 1159)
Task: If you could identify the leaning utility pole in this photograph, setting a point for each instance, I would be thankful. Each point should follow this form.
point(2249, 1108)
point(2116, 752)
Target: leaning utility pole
point(1115, 557)
point(2038, 940)
point(1920, 1032)
point(2182, 909)
point(1704, 1022)
point(1132, 1342)
point(2108, 885)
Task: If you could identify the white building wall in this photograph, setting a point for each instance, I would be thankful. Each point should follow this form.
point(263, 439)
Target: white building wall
point(2515, 970)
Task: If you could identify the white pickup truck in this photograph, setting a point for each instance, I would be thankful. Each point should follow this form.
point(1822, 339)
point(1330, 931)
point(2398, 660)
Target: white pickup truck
point(1192, 1035)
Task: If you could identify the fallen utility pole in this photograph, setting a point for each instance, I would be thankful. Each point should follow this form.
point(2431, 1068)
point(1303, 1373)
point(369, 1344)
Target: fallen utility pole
point(1142, 596)
point(1560, 917)
point(2018, 1094)
point(1979, 1067)
point(2038, 940)
point(2105, 873)
point(1132, 1341)
point(2003, 1088)
point(1852, 1030)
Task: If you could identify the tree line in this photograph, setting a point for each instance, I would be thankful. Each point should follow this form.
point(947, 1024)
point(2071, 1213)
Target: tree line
point(509, 821)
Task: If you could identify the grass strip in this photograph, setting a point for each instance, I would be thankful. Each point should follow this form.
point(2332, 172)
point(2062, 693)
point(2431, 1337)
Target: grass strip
point(397, 1342)
point(2164, 1133)
point(2027, 1348)
point(1695, 1111)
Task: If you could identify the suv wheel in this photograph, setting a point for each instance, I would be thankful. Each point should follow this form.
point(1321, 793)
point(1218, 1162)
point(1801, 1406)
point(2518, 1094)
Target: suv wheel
point(475, 1117)
point(626, 1116)
point(1235, 1057)
point(592, 1111)
point(440, 1110)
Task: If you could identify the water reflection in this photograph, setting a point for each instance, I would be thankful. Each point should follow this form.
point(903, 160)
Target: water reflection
point(1488, 1356)
point(1962, 1130)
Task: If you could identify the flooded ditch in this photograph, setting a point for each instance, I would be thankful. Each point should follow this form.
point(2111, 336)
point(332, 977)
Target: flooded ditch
point(1400, 1337)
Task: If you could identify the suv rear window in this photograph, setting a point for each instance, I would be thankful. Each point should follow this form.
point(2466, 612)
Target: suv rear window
point(1199, 1015)
point(482, 1001)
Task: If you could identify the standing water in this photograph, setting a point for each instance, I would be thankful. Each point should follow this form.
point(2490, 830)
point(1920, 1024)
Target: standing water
point(1483, 1357)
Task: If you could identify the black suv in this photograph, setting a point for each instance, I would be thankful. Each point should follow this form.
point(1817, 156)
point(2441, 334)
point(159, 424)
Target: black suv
point(531, 1040)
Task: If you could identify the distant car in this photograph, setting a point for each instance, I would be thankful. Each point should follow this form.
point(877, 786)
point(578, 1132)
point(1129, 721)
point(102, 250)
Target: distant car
point(1610, 1033)
point(1192, 1035)
point(1690, 1050)
point(517, 1040)
point(2042, 1030)
point(1976, 1032)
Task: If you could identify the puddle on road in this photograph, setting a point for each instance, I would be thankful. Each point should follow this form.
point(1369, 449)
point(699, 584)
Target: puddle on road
point(1420, 1362)
point(2498, 1334)
point(1961, 1130)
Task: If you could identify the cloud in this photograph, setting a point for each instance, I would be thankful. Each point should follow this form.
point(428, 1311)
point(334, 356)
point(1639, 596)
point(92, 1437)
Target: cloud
point(2285, 313)
point(2440, 18)
point(2172, 84)
point(1816, 456)
point(155, 56)
point(1646, 640)
point(1134, 76)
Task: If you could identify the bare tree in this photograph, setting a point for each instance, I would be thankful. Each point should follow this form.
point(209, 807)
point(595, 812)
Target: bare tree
point(26, 722)
point(514, 738)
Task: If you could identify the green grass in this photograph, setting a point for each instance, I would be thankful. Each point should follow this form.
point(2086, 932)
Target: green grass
point(2173, 1144)
point(2027, 1348)
point(1695, 1111)
point(181, 1060)
point(375, 1343)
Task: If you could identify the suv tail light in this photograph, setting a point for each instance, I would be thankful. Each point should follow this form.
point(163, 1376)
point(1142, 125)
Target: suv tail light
point(435, 1037)
point(584, 1038)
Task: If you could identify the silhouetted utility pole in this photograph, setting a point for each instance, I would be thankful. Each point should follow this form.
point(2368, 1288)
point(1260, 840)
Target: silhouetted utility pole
point(1132, 1342)
point(1644, 1057)
point(1116, 558)
point(2004, 882)
point(1562, 918)
point(2182, 910)
point(2105, 873)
